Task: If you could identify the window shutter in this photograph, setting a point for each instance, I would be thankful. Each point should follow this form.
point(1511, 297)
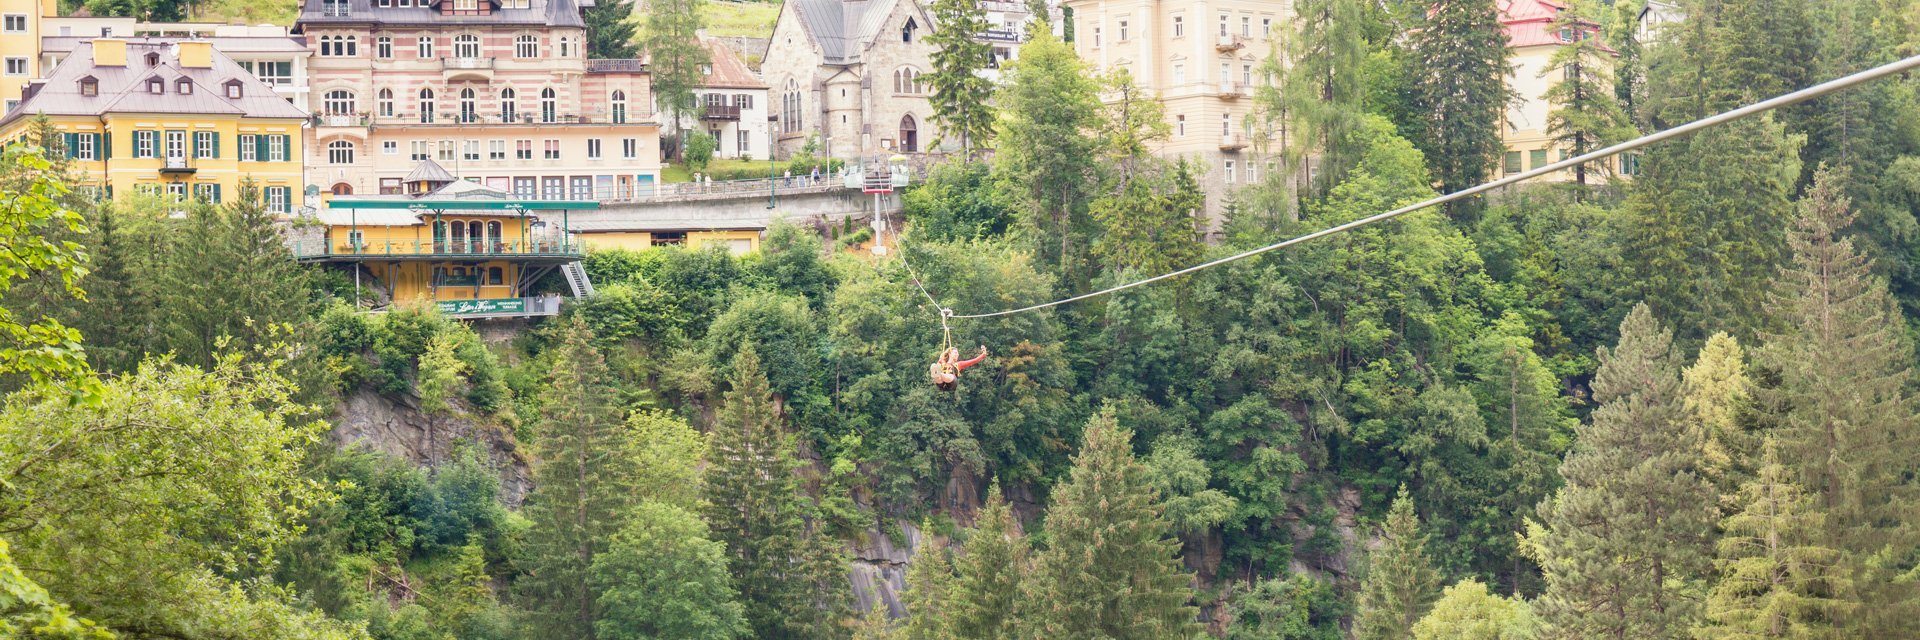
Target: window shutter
point(106, 146)
point(216, 156)
point(260, 147)
point(72, 141)
point(286, 146)
point(216, 186)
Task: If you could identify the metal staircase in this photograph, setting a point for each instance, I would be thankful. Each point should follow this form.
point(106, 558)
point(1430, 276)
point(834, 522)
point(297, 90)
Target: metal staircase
point(577, 279)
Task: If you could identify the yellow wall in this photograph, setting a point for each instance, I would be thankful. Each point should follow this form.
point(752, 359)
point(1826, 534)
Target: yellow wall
point(413, 279)
point(638, 240)
point(117, 168)
point(22, 45)
point(739, 241)
point(629, 240)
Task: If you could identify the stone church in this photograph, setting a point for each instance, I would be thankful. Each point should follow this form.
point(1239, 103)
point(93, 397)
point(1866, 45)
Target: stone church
point(850, 72)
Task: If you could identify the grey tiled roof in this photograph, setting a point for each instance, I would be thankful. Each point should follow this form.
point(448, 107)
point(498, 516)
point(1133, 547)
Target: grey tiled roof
point(557, 13)
point(844, 28)
point(428, 171)
point(123, 89)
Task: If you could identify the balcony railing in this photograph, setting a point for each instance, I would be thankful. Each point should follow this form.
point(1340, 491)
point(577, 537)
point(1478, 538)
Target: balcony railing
point(466, 63)
point(553, 247)
point(177, 164)
point(997, 5)
point(722, 112)
point(1229, 43)
point(1231, 90)
point(1233, 142)
point(338, 120)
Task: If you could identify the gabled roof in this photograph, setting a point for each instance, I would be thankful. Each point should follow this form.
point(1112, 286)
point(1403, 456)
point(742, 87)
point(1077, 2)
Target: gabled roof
point(845, 28)
point(557, 13)
point(123, 89)
point(728, 71)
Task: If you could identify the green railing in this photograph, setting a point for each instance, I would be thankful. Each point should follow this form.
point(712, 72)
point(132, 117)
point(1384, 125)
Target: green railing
point(447, 248)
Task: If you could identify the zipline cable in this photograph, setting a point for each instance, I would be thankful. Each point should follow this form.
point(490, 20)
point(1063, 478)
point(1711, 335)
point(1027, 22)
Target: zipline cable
point(945, 312)
point(1796, 97)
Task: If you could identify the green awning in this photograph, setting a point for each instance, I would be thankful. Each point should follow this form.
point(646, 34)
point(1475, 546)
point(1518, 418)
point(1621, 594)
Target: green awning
point(430, 204)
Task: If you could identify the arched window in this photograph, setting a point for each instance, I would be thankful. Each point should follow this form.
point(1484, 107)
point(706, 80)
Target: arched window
point(469, 105)
point(508, 109)
point(340, 152)
point(549, 106)
point(619, 107)
point(906, 80)
point(466, 45)
point(909, 134)
point(493, 234)
point(344, 189)
point(526, 47)
point(338, 102)
point(426, 106)
point(790, 108)
point(566, 47)
point(386, 103)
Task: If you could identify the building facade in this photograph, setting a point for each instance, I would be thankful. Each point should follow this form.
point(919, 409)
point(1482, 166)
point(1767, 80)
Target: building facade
point(176, 118)
point(1533, 36)
point(848, 72)
point(733, 106)
point(266, 51)
point(500, 92)
point(22, 22)
point(1203, 60)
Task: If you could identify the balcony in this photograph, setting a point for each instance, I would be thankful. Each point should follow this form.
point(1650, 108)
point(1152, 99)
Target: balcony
point(1229, 43)
point(1233, 142)
point(721, 112)
point(339, 120)
point(467, 68)
point(999, 35)
point(1002, 7)
point(1230, 90)
point(177, 165)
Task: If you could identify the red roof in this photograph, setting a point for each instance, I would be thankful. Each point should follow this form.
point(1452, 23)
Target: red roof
point(1530, 23)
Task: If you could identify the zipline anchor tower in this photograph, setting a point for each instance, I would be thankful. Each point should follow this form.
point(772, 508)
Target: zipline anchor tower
point(881, 179)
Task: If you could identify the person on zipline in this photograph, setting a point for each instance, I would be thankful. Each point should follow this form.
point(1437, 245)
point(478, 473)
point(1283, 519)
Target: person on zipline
point(946, 370)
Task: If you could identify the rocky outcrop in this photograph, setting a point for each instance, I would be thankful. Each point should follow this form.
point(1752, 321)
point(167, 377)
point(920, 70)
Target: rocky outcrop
point(879, 568)
point(395, 425)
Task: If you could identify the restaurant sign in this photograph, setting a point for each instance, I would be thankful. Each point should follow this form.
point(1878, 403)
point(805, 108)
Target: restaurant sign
point(480, 307)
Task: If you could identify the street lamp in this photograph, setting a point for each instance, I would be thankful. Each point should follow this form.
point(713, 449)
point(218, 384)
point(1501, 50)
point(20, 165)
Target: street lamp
point(772, 198)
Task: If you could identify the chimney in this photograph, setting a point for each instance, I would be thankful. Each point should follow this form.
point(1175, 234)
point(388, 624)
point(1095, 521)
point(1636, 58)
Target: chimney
point(196, 54)
point(109, 52)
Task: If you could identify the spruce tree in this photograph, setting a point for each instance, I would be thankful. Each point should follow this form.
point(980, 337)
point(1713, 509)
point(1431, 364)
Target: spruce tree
point(1625, 542)
point(576, 501)
point(928, 599)
point(1761, 49)
point(1777, 577)
point(985, 592)
point(610, 29)
point(1460, 90)
point(1842, 411)
point(791, 574)
point(1111, 568)
point(1401, 585)
point(962, 97)
point(1719, 396)
point(1586, 115)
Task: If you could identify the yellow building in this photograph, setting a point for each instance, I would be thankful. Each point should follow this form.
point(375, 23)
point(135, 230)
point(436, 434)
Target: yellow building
point(170, 117)
point(22, 22)
point(1533, 36)
point(475, 251)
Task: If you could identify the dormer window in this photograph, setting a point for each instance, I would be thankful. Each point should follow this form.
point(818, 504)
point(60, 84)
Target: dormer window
point(183, 87)
point(233, 89)
point(153, 59)
point(906, 30)
point(89, 86)
point(156, 86)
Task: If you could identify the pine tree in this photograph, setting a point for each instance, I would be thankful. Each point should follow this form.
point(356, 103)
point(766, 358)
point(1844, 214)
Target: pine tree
point(962, 97)
point(1319, 97)
point(576, 501)
point(1623, 544)
point(1761, 49)
point(985, 592)
point(1629, 68)
point(1527, 416)
point(1586, 115)
point(1777, 579)
point(1110, 569)
point(1718, 397)
point(610, 30)
point(675, 56)
point(1460, 88)
point(928, 599)
point(1841, 409)
point(791, 574)
point(1401, 585)
point(257, 289)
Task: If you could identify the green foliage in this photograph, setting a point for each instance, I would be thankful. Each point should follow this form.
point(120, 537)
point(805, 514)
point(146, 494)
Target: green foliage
point(1318, 98)
point(790, 574)
point(1401, 585)
point(440, 374)
point(791, 262)
point(984, 597)
point(1777, 579)
point(1049, 108)
point(1460, 93)
point(1624, 545)
point(610, 30)
point(577, 499)
point(26, 611)
point(1152, 224)
point(1467, 611)
point(1182, 480)
point(1586, 115)
point(961, 96)
point(663, 450)
point(1294, 608)
point(931, 607)
point(675, 55)
point(957, 202)
point(1719, 399)
point(1109, 570)
point(661, 577)
point(698, 150)
point(30, 221)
